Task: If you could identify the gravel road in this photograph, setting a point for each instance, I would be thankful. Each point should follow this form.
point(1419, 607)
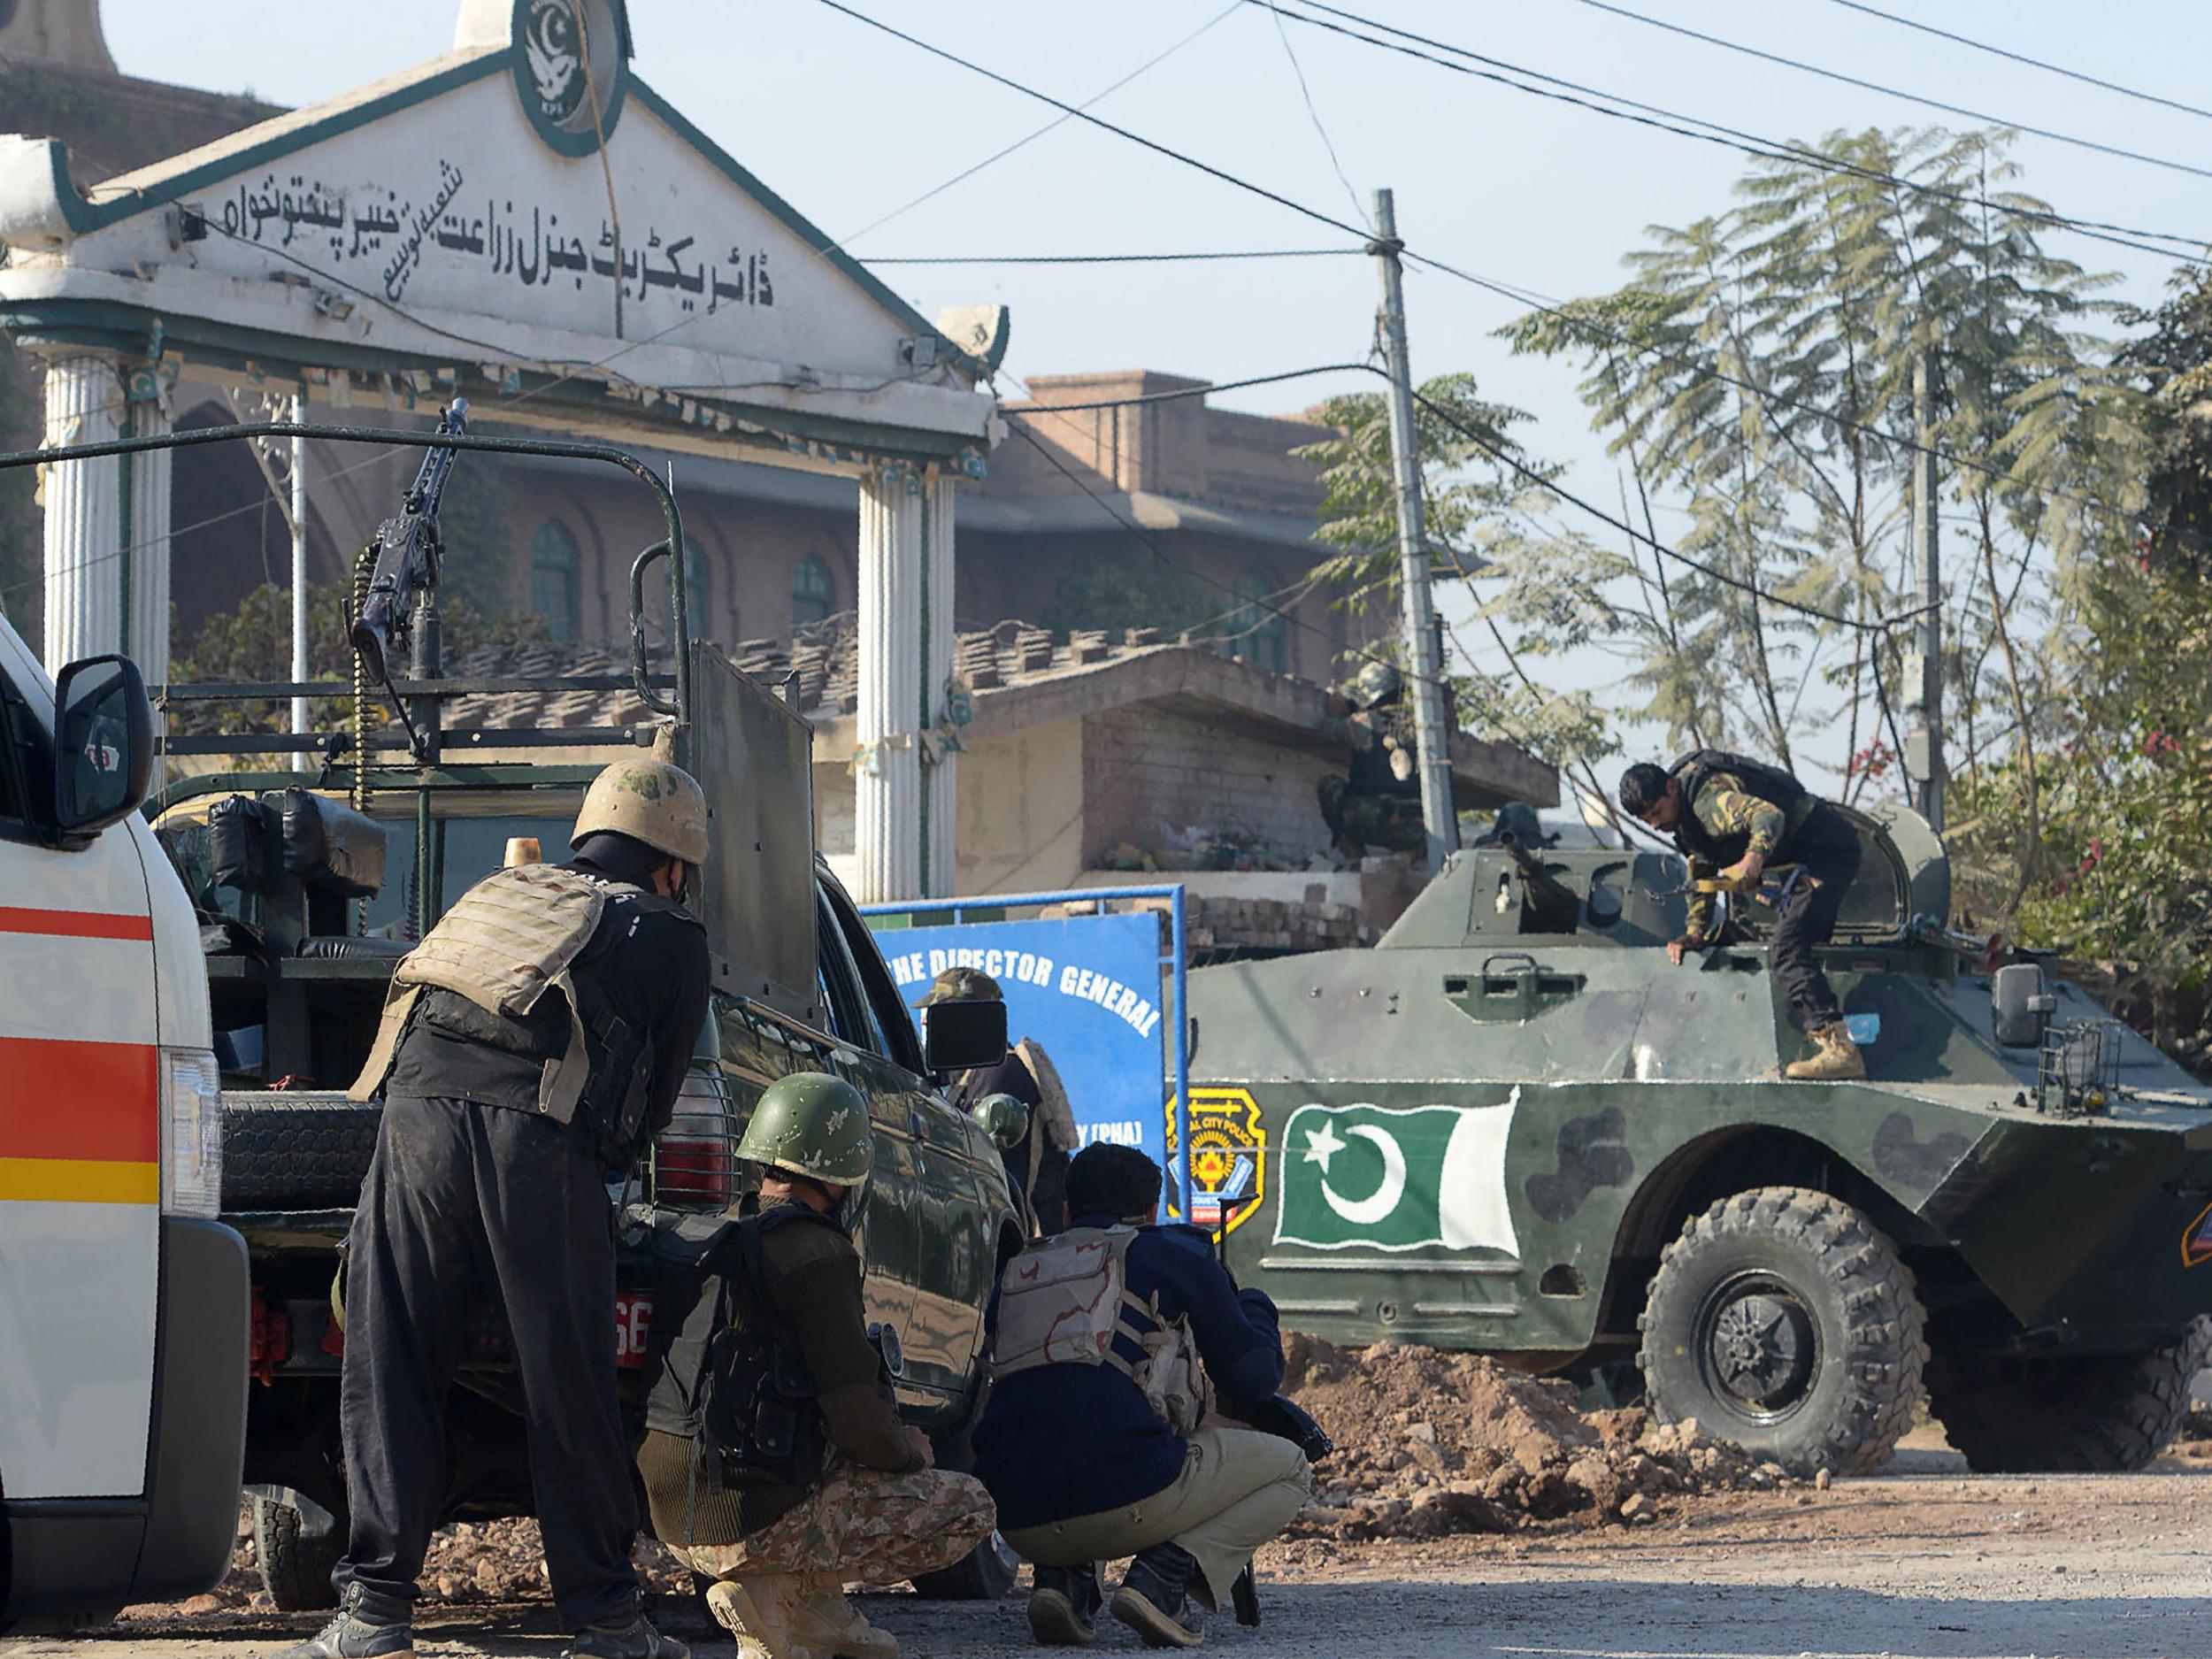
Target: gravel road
point(1923, 1563)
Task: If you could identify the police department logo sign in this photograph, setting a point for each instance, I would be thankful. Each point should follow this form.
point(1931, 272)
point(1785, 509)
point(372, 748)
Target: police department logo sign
point(1397, 1178)
point(1228, 1164)
point(571, 71)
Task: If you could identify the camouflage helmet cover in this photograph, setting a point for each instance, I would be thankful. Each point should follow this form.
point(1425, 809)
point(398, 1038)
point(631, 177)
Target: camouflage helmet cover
point(1376, 682)
point(810, 1123)
point(963, 985)
point(648, 801)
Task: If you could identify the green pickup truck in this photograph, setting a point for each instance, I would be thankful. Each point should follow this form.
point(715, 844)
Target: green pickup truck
point(310, 884)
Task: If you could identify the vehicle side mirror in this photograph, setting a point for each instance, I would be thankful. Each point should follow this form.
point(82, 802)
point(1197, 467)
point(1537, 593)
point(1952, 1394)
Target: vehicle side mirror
point(104, 745)
point(1002, 1117)
point(2021, 1005)
point(958, 1036)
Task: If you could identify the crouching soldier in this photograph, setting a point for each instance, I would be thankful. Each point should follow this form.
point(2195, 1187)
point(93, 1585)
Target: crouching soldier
point(1109, 1338)
point(774, 1460)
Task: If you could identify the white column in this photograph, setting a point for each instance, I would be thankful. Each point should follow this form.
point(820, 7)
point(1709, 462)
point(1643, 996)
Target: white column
point(887, 769)
point(84, 402)
point(940, 799)
point(146, 630)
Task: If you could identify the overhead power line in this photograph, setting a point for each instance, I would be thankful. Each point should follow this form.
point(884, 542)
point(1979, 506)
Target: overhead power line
point(2022, 57)
point(1589, 326)
point(1597, 102)
point(1179, 394)
point(1114, 258)
point(1837, 75)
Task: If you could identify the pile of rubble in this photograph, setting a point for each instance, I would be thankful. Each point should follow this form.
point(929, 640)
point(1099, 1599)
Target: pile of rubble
point(469, 1561)
point(1430, 1443)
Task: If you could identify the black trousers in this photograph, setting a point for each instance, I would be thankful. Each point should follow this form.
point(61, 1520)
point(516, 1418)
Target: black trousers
point(1825, 850)
point(466, 1206)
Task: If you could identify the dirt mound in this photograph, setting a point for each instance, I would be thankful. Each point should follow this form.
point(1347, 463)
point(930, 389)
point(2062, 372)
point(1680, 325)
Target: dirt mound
point(1430, 1442)
point(470, 1561)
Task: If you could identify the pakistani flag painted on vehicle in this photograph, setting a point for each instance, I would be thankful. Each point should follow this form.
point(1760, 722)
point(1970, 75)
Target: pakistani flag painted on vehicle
point(1397, 1178)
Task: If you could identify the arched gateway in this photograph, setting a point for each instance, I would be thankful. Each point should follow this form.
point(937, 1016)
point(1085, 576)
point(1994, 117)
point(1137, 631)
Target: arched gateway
point(524, 222)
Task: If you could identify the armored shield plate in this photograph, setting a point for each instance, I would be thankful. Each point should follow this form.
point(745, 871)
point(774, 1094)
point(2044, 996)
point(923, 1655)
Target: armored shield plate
point(753, 756)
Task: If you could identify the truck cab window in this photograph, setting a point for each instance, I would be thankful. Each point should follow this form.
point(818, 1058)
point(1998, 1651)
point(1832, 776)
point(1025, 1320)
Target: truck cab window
point(845, 1005)
point(891, 1015)
point(22, 752)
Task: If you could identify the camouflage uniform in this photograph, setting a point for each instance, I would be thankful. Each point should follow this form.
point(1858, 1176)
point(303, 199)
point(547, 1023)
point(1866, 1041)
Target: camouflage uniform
point(1370, 806)
point(863, 1524)
point(1726, 808)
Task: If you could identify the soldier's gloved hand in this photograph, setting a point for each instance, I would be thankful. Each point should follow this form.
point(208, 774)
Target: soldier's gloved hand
point(1401, 763)
point(1678, 948)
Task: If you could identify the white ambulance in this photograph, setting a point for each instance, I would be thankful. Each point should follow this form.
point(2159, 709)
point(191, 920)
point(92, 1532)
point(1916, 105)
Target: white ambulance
point(124, 1304)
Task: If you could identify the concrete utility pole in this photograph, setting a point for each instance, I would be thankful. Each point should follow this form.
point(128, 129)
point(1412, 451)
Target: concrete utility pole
point(1925, 739)
point(1431, 739)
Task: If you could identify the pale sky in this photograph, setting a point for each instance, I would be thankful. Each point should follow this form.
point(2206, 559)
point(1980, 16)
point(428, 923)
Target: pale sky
point(847, 124)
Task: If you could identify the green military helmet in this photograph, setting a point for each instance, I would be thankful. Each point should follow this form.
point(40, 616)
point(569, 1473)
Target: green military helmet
point(963, 985)
point(813, 1124)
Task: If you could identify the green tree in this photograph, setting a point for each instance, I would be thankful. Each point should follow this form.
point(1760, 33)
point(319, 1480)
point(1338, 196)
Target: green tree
point(253, 643)
point(1748, 372)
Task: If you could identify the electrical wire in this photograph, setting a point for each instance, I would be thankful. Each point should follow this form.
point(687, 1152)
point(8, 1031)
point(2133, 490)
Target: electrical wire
point(1114, 259)
point(2022, 57)
point(1589, 326)
point(1651, 115)
point(1178, 396)
point(1314, 114)
point(1803, 67)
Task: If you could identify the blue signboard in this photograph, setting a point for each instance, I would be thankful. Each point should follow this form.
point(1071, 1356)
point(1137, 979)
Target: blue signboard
point(1087, 989)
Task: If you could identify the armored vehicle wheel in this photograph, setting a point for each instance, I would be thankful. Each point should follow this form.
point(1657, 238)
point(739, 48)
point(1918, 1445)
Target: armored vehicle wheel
point(294, 1568)
point(1781, 1320)
point(985, 1573)
point(2054, 1416)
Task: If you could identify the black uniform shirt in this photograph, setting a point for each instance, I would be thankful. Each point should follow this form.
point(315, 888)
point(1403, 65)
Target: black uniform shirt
point(650, 962)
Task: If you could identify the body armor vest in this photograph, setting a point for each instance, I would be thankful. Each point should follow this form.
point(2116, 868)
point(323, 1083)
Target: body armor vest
point(1063, 1300)
point(512, 938)
point(1769, 784)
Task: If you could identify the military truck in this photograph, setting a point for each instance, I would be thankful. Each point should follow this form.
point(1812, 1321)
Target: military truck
point(310, 883)
point(1513, 1127)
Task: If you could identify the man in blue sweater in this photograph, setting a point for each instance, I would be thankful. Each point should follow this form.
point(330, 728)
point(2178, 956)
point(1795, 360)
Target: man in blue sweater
point(1109, 1340)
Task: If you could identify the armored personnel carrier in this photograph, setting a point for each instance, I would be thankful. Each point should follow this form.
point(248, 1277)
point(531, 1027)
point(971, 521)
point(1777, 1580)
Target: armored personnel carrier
point(1514, 1127)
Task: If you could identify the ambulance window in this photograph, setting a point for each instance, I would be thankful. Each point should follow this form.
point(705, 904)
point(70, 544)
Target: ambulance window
point(20, 731)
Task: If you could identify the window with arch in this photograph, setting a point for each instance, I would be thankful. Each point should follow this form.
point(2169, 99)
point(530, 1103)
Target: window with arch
point(554, 566)
point(813, 595)
point(1256, 629)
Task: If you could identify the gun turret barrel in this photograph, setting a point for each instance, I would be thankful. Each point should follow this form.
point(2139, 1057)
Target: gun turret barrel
point(408, 550)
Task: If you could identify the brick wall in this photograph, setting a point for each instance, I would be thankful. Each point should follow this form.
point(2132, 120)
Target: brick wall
point(1147, 771)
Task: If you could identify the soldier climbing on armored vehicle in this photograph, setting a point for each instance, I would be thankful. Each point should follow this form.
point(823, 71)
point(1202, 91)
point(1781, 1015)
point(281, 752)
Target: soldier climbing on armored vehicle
point(1375, 804)
point(1732, 817)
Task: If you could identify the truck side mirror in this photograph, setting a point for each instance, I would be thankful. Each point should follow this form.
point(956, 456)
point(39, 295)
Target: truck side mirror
point(104, 745)
point(957, 1036)
point(1002, 1117)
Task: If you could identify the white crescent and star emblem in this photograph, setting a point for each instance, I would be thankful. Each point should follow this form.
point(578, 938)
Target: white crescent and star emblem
point(1323, 1144)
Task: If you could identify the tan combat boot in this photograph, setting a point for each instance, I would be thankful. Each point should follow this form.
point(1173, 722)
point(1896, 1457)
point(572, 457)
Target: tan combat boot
point(1835, 1058)
point(760, 1612)
point(831, 1625)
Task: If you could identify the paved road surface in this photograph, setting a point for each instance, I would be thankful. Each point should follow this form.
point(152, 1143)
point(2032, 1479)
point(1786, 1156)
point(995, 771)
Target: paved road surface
point(1918, 1565)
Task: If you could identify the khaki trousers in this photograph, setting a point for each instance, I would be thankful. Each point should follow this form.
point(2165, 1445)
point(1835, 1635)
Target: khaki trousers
point(1237, 1490)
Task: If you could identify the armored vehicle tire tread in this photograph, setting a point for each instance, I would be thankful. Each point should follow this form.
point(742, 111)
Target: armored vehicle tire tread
point(295, 1568)
point(295, 1155)
point(1846, 1371)
point(2106, 1414)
